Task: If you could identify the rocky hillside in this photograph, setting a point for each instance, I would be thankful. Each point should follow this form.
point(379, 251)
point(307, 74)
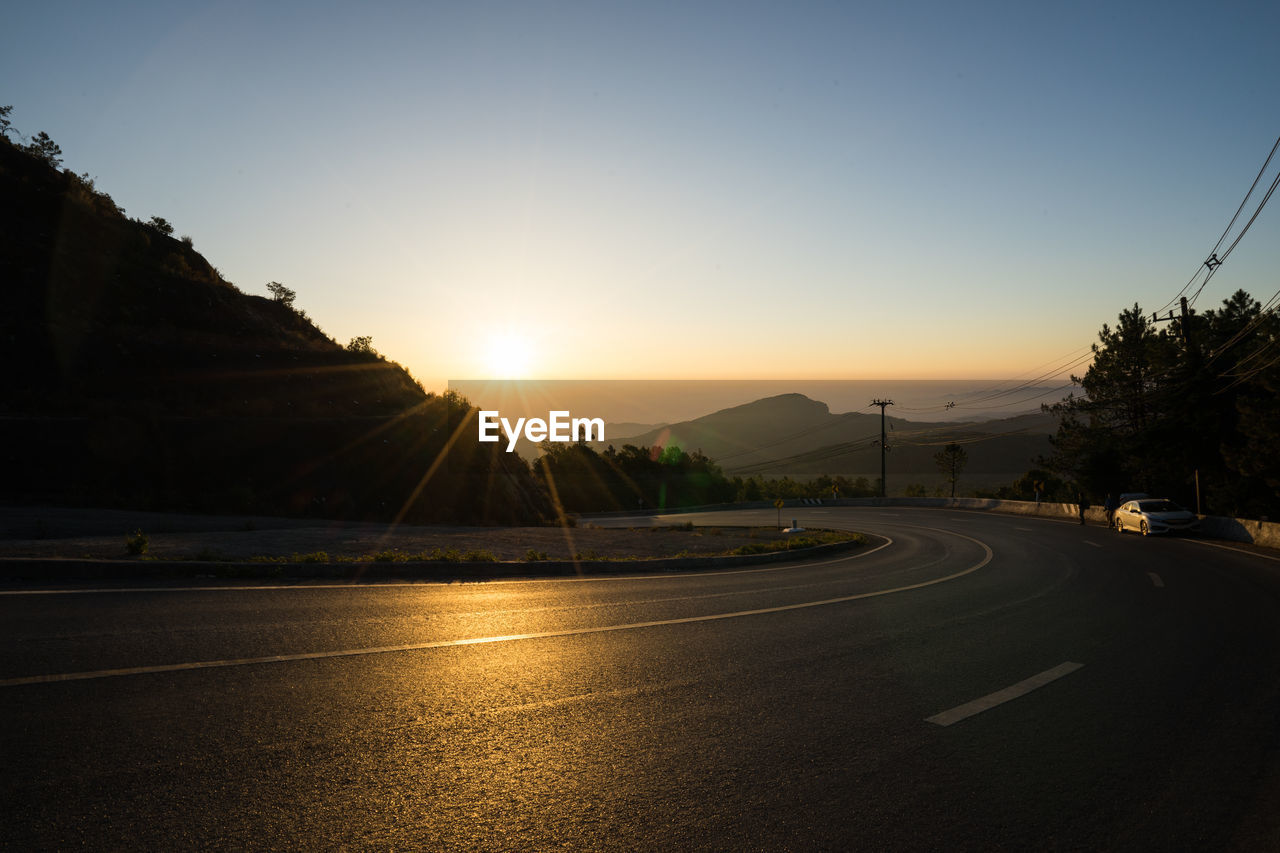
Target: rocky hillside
point(136, 375)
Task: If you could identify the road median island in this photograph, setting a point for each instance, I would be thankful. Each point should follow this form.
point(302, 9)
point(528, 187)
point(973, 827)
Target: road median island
point(554, 552)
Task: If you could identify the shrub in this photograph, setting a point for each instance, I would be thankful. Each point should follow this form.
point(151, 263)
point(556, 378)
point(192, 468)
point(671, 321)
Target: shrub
point(136, 545)
point(362, 344)
point(532, 556)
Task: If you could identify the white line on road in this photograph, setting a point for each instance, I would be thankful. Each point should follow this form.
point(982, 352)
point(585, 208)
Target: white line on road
point(1094, 544)
point(1237, 550)
point(439, 644)
point(991, 700)
point(430, 582)
point(1156, 580)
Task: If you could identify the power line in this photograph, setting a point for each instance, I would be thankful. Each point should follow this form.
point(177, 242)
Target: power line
point(793, 436)
point(1210, 265)
point(817, 454)
point(1058, 366)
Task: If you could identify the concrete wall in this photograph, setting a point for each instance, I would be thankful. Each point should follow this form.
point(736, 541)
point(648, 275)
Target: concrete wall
point(1263, 533)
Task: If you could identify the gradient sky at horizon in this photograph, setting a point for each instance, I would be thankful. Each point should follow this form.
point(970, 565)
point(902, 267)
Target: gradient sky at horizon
point(679, 190)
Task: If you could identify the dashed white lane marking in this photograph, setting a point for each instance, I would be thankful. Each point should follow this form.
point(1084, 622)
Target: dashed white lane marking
point(991, 700)
point(1156, 580)
point(1094, 544)
point(567, 632)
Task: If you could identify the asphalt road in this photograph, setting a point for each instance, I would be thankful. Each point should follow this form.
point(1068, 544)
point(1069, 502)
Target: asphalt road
point(968, 681)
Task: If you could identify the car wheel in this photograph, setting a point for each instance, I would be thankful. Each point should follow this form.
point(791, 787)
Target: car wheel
point(1146, 531)
point(1119, 525)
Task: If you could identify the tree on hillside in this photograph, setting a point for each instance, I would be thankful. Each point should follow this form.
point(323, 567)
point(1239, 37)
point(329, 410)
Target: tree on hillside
point(1036, 483)
point(5, 124)
point(951, 461)
point(1181, 410)
point(362, 344)
point(583, 480)
point(280, 293)
point(46, 149)
point(162, 225)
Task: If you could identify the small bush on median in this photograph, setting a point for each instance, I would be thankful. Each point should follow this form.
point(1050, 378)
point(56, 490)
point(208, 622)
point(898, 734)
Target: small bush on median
point(137, 544)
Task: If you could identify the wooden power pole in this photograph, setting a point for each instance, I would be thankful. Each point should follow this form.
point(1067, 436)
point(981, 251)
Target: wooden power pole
point(884, 445)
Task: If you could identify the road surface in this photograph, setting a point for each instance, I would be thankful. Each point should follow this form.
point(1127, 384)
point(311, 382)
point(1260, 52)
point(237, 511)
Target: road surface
point(967, 681)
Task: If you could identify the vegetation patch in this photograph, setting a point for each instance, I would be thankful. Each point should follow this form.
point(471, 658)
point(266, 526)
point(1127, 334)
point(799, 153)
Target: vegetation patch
point(809, 540)
point(136, 544)
point(534, 555)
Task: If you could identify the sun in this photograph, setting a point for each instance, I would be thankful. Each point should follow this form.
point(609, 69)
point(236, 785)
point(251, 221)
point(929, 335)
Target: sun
point(508, 355)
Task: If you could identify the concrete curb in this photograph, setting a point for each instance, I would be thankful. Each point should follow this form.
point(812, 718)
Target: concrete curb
point(57, 568)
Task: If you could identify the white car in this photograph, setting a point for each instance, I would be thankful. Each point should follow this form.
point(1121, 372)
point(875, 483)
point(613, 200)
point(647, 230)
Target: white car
point(1155, 515)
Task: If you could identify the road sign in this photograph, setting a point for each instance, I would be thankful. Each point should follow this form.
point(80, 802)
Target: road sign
point(779, 503)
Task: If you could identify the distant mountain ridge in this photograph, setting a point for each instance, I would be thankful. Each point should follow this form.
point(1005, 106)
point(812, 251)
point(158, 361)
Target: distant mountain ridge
point(790, 434)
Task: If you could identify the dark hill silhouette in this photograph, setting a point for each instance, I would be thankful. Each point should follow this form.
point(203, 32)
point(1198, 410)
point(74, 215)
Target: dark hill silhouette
point(793, 435)
point(137, 376)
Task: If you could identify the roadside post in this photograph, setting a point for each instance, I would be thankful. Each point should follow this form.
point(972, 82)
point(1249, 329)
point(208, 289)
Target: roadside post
point(778, 506)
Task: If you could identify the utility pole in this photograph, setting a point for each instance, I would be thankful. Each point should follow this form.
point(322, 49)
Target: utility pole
point(1193, 354)
point(1186, 322)
point(884, 445)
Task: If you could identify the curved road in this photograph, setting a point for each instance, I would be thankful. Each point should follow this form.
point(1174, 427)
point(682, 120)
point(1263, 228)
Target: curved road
point(967, 681)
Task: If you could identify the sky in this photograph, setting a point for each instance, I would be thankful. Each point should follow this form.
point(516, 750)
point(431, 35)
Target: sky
point(689, 190)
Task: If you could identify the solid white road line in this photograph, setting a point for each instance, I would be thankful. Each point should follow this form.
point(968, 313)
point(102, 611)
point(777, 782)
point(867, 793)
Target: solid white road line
point(429, 582)
point(567, 632)
point(1237, 550)
point(991, 700)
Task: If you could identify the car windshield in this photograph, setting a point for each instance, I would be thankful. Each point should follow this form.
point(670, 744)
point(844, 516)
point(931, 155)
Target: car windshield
point(1158, 506)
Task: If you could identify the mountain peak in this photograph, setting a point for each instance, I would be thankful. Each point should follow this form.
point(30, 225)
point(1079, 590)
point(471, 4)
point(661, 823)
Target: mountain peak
point(792, 405)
